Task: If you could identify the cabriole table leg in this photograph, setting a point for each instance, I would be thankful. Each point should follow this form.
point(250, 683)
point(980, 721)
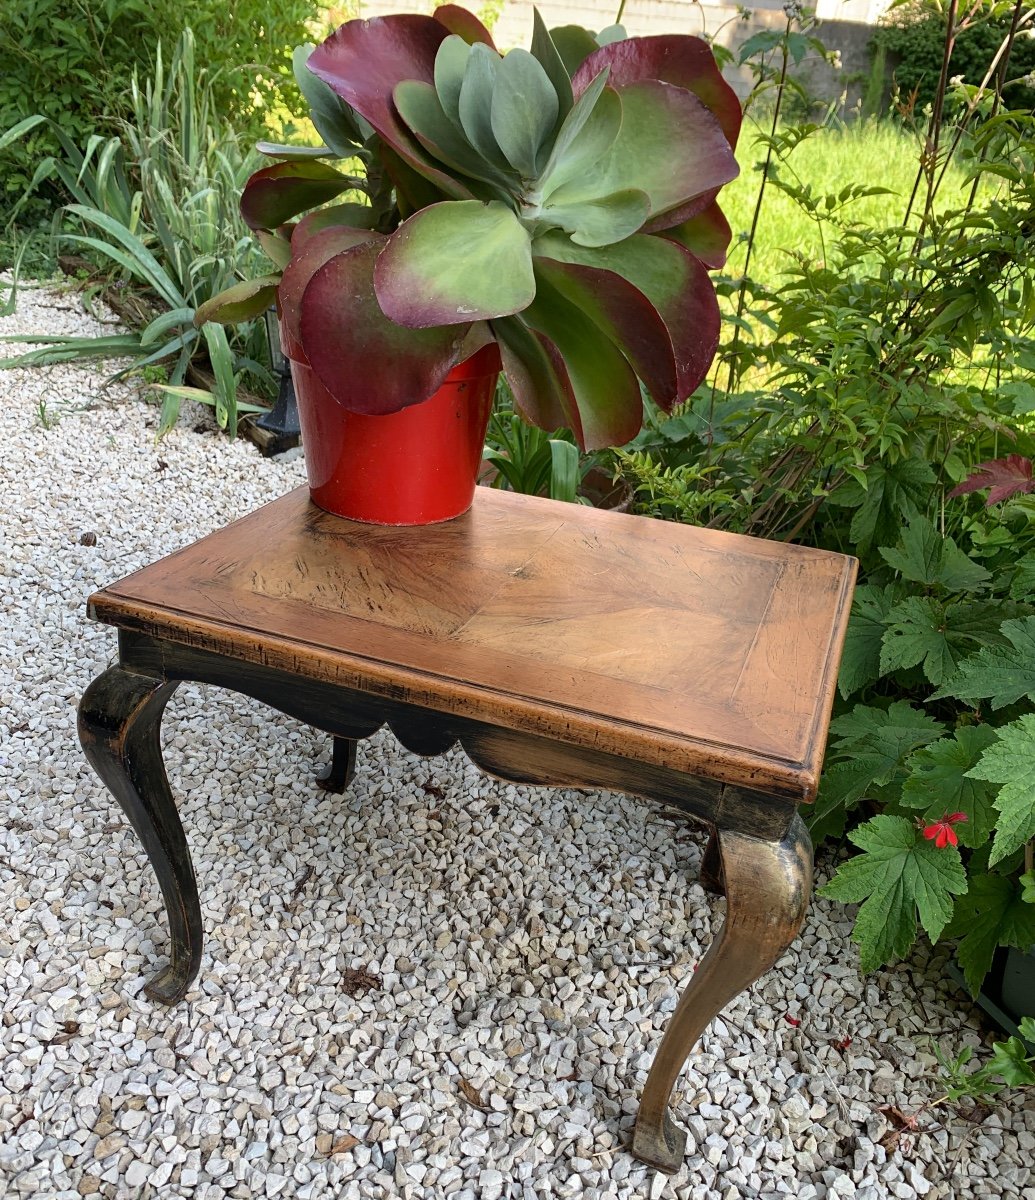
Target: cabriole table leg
point(767, 885)
point(120, 717)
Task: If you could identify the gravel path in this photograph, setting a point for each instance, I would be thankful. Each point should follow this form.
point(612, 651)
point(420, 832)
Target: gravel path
point(435, 986)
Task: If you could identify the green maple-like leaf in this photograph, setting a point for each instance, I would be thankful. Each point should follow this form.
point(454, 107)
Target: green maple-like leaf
point(996, 673)
point(938, 783)
point(1010, 1060)
point(1022, 585)
point(992, 913)
point(869, 747)
point(892, 491)
point(924, 556)
point(899, 876)
point(925, 630)
point(860, 662)
point(1011, 762)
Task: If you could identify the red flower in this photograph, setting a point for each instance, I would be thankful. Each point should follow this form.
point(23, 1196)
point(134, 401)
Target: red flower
point(942, 832)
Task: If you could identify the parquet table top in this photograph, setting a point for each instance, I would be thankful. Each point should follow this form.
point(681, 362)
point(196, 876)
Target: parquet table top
point(702, 651)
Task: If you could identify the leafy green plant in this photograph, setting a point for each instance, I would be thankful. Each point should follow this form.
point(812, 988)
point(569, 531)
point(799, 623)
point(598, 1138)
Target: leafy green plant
point(862, 401)
point(157, 205)
point(70, 61)
point(1011, 1065)
point(529, 460)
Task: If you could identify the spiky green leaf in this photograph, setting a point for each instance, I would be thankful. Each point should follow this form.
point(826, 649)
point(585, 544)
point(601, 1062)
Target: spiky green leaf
point(1001, 675)
point(924, 556)
point(938, 782)
point(1010, 761)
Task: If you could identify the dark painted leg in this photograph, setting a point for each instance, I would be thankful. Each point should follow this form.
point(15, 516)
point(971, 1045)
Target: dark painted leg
point(768, 885)
point(338, 773)
point(120, 717)
point(711, 866)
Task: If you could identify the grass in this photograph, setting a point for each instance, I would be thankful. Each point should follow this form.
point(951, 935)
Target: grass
point(875, 153)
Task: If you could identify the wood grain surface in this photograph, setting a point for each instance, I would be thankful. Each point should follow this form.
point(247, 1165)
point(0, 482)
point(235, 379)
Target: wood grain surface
point(700, 651)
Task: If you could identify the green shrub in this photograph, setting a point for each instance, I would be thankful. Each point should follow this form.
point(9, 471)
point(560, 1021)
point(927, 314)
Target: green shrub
point(72, 61)
point(914, 41)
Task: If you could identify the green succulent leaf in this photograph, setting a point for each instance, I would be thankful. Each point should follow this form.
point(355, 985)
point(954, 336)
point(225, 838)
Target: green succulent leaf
point(938, 782)
point(623, 314)
point(672, 280)
point(659, 121)
point(574, 45)
point(334, 120)
point(523, 112)
point(537, 376)
point(349, 341)
point(475, 106)
point(548, 55)
point(602, 221)
point(991, 914)
point(605, 387)
point(899, 875)
point(242, 302)
point(277, 249)
point(454, 263)
point(450, 68)
point(291, 153)
point(1010, 761)
point(611, 34)
point(587, 134)
point(420, 107)
point(707, 235)
point(353, 216)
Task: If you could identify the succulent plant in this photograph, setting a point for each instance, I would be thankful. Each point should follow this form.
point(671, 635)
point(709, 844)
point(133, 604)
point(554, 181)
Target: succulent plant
point(561, 202)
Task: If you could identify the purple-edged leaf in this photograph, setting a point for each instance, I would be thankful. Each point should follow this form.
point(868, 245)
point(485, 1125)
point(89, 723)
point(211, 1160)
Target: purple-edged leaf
point(670, 146)
point(352, 216)
point(600, 222)
point(368, 363)
point(316, 250)
point(672, 280)
point(684, 61)
point(363, 61)
point(624, 314)
point(706, 235)
point(278, 193)
point(537, 376)
point(453, 263)
point(463, 23)
point(605, 387)
point(242, 302)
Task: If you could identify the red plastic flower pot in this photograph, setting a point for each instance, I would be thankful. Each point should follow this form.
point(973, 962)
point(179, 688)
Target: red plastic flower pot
point(413, 467)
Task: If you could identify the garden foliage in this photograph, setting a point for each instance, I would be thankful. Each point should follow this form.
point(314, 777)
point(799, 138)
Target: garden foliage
point(72, 61)
point(877, 400)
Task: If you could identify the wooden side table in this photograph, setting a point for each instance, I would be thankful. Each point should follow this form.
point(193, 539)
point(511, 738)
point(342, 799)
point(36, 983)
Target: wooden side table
point(557, 644)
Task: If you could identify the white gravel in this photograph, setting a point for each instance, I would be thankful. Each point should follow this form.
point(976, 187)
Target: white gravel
point(527, 945)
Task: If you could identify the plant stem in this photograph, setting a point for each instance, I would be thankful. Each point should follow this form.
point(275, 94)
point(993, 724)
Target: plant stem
point(731, 378)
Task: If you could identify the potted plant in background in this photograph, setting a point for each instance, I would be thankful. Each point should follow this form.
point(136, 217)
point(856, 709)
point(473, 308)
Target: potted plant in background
point(552, 212)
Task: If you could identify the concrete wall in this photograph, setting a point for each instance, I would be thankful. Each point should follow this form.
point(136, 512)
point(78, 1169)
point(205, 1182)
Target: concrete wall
point(845, 26)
